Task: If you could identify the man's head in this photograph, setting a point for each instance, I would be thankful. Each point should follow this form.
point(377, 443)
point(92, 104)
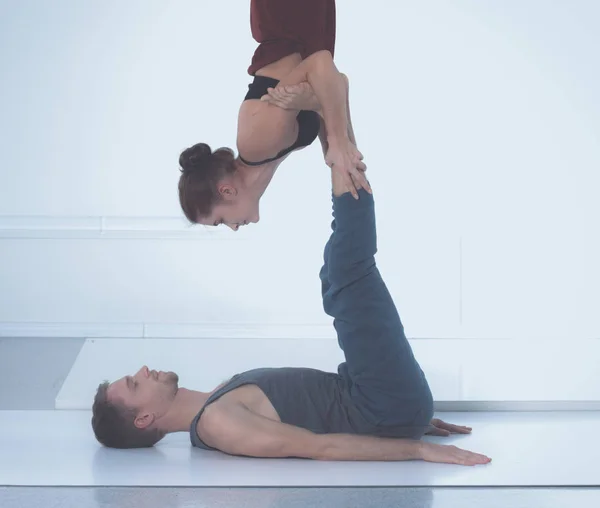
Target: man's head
point(211, 191)
point(127, 413)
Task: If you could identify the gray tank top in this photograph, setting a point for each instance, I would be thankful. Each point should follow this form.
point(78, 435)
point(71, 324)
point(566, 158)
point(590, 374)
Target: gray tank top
point(308, 398)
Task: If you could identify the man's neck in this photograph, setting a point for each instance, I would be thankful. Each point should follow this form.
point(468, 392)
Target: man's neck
point(185, 407)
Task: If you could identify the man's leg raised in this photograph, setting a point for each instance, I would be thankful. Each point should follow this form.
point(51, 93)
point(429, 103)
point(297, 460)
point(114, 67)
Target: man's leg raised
point(384, 377)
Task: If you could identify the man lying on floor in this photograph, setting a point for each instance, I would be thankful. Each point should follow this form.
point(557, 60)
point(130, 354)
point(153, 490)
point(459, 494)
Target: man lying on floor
point(376, 408)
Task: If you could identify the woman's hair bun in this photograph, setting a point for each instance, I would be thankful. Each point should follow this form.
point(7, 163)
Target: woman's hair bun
point(195, 158)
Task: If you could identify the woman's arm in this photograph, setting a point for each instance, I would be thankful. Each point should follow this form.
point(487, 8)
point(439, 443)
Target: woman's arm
point(263, 130)
point(350, 129)
point(301, 97)
point(323, 130)
point(329, 86)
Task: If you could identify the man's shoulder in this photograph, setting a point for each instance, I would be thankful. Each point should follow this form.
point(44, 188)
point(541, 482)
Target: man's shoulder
point(234, 429)
point(216, 418)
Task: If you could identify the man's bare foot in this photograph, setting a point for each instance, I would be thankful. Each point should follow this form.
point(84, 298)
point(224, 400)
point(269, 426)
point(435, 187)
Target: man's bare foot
point(296, 97)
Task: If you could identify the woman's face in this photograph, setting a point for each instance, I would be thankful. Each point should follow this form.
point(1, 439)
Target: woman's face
point(236, 209)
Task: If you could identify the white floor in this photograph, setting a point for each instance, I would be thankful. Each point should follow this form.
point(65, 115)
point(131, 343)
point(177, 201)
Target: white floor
point(57, 448)
point(297, 497)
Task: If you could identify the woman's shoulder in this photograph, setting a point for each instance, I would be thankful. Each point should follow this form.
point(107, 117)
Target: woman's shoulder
point(264, 130)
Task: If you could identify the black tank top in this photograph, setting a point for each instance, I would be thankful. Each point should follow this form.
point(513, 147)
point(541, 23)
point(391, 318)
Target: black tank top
point(309, 122)
point(308, 398)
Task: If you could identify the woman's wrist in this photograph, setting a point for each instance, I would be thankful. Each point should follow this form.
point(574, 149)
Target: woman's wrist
point(337, 139)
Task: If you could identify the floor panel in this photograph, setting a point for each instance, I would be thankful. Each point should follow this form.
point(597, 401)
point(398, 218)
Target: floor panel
point(123, 497)
point(57, 448)
point(38, 367)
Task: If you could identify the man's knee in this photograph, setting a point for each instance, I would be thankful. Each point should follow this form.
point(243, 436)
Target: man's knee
point(344, 275)
point(399, 411)
point(338, 299)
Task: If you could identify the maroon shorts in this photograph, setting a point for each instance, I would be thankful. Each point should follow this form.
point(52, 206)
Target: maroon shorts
point(283, 27)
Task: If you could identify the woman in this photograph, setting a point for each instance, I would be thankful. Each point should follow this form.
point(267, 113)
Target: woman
point(309, 98)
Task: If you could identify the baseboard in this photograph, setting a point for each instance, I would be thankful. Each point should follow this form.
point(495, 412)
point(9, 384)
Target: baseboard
point(471, 406)
point(468, 406)
point(215, 330)
point(71, 330)
point(109, 227)
point(169, 330)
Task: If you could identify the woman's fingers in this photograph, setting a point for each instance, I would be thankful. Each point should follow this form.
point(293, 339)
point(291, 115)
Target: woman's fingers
point(359, 177)
point(352, 186)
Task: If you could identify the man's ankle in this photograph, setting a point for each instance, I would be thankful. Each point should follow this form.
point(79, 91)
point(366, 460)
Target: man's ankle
point(338, 184)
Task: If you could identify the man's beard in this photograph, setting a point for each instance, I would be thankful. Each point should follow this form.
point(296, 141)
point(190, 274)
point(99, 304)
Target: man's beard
point(172, 379)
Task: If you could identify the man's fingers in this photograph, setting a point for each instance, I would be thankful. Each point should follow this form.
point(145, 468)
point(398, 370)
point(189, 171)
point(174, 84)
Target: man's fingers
point(459, 429)
point(468, 458)
point(438, 432)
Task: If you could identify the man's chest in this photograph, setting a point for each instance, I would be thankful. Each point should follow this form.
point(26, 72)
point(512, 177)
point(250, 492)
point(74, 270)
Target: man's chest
point(253, 399)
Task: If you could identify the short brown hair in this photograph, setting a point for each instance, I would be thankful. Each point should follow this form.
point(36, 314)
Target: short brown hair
point(114, 426)
point(201, 171)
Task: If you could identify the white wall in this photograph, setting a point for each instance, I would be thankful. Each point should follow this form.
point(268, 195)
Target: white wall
point(471, 371)
point(479, 122)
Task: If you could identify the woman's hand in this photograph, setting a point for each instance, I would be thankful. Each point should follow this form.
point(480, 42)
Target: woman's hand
point(444, 454)
point(440, 428)
point(343, 156)
point(300, 97)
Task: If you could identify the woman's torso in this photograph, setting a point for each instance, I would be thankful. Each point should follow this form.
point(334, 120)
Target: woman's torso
point(279, 130)
point(281, 68)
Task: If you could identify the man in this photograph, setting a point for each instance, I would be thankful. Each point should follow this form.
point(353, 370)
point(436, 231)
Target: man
point(376, 408)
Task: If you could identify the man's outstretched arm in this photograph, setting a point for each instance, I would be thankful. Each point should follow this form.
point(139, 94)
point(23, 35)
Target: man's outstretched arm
point(237, 431)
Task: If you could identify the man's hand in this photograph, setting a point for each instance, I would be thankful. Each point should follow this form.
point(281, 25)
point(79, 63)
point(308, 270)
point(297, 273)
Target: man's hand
point(444, 454)
point(343, 156)
point(440, 428)
point(293, 97)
